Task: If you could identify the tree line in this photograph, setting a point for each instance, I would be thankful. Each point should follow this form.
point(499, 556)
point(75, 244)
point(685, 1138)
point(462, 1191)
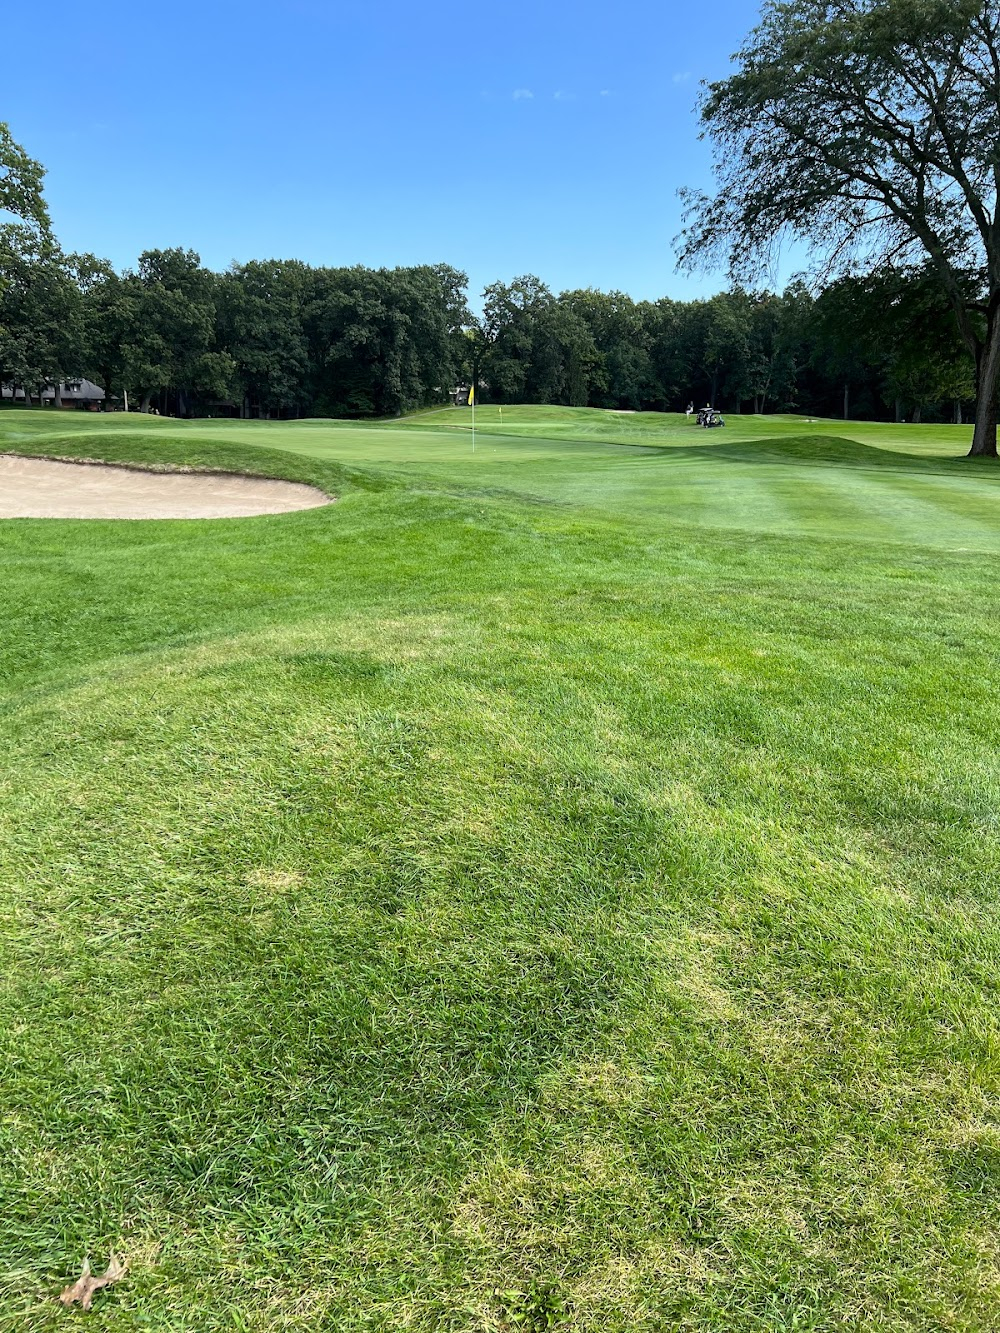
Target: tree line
point(280, 338)
point(883, 346)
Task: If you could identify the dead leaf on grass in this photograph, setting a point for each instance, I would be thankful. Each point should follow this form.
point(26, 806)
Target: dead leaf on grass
point(82, 1290)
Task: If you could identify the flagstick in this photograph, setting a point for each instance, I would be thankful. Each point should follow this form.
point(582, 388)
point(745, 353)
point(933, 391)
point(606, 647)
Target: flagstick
point(473, 417)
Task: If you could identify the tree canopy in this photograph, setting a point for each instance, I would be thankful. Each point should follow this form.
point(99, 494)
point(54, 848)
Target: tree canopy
point(869, 129)
point(21, 183)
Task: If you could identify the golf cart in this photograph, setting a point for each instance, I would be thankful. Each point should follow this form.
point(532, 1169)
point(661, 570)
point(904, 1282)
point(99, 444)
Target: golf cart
point(709, 417)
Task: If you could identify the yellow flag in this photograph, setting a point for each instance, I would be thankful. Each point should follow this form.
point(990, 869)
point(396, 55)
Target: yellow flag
point(472, 395)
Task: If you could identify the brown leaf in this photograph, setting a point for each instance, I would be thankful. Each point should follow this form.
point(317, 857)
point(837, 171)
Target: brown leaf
point(82, 1290)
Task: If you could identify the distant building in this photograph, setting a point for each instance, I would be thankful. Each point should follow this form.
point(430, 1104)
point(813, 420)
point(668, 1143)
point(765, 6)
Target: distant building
point(79, 393)
point(460, 396)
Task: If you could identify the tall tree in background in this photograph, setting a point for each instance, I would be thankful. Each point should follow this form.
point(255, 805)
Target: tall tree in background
point(24, 246)
point(535, 348)
point(260, 309)
point(453, 286)
point(507, 329)
point(669, 359)
point(620, 367)
point(718, 335)
point(41, 322)
point(769, 369)
point(21, 184)
point(901, 328)
point(383, 341)
point(870, 129)
point(110, 318)
point(173, 349)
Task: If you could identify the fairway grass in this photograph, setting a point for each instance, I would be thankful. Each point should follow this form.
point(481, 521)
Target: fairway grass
point(553, 887)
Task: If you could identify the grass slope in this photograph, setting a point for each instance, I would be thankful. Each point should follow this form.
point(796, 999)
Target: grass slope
point(549, 888)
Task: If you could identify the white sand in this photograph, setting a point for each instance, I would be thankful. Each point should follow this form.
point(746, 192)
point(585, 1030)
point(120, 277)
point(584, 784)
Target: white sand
point(46, 488)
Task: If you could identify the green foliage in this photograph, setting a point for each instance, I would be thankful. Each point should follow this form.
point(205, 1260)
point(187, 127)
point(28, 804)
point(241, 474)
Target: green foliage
point(384, 341)
point(41, 315)
point(535, 348)
point(867, 128)
point(172, 340)
point(111, 314)
point(21, 185)
point(902, 324)
point(260, 310)
point(621, 332)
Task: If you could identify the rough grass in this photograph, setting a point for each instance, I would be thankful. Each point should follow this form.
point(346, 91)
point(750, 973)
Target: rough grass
point(514, 898)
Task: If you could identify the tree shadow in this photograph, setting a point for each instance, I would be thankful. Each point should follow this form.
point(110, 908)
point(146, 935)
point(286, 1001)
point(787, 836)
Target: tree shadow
point(827, 451)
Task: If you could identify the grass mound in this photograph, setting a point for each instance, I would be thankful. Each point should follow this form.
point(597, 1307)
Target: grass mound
point(188, 450)
point(450, 911)
point(836, 451)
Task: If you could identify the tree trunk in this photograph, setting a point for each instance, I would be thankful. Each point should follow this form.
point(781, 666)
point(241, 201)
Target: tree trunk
point(958, 411)
point(847, 401)
point(984, 438)
point(146, 400)
point(915, 419)
point(899, 410)
point(57, 394)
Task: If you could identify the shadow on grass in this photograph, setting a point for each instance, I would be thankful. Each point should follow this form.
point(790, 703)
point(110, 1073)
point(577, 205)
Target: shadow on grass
point(829, 451)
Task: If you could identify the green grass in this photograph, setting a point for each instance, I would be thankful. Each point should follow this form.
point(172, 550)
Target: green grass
point(553, 887)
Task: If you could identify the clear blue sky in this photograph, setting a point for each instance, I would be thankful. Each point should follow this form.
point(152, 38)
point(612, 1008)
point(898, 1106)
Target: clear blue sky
point(546, 137)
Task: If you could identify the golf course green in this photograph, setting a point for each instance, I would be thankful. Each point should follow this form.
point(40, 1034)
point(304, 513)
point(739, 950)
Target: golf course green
point(554, 886)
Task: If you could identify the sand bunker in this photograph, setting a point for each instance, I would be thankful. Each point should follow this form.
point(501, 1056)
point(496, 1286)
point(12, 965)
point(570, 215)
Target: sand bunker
point(46, 488)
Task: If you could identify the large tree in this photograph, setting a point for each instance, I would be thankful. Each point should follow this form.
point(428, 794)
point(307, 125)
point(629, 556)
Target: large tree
point(507, 334)
point(172, 348)
point(900, 330)
point(620, 372)
point(535, 348)
point(110, 317)
point(869, 129)
point(41, 319)
point(260, 322)
point(381, 341)
point(21, 183)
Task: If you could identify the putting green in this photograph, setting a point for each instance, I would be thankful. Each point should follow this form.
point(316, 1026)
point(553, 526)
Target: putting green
point(778, 475)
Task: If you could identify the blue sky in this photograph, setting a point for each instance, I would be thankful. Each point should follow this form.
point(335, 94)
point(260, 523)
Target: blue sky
point(542, 137)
